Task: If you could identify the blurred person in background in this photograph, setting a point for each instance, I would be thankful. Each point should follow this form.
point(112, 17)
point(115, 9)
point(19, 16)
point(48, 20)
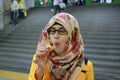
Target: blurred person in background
point(65, 1)
point(22, 9)
point(14, 11)
point(102, 1)
point(57, 8)
point(51, 5)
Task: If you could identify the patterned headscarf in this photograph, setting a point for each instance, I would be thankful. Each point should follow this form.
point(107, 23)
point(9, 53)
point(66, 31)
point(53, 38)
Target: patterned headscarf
point(65, 67)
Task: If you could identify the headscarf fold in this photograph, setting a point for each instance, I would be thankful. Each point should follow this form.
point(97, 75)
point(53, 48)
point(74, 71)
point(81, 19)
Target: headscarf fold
point(68, 66)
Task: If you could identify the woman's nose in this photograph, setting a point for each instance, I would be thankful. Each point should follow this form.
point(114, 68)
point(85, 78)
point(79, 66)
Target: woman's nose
point(56, 35)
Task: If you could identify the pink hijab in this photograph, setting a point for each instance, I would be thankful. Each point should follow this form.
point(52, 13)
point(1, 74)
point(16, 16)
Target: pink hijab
point(65, 67)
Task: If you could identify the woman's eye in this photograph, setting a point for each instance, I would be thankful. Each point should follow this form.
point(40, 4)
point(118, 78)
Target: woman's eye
point(52, 29)
point(62, 30)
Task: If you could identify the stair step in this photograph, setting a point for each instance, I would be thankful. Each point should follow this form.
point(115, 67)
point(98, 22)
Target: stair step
point(17, 50)
point(17, 68)
point(102, 57)
point(108, 74)
point(96, 31)
point(26, 30)
point(102, 37)
point(106, 64)
point(18, 45)
point(100, 51)
point(20, 41)
point(22, 37)
point(107, 71)
point(115, 42)
point(105, 30)
point(15, 60)
point(102, 46)
point(36, 34)
point(16, 54)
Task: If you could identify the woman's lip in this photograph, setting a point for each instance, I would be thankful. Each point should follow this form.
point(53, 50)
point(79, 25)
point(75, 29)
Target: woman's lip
point(56, 44)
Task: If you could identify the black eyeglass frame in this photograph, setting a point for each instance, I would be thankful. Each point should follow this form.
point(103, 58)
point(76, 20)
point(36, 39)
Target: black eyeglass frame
point(58, 30)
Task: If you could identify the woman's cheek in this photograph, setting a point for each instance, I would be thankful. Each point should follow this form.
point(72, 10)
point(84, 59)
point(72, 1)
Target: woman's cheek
point(64, 38)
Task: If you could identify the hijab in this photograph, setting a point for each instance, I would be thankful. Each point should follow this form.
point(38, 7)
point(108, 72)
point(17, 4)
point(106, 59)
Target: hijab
point(65, 67)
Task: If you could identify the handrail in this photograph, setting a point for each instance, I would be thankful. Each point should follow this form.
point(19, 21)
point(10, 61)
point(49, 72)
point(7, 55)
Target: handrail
point(6, 12)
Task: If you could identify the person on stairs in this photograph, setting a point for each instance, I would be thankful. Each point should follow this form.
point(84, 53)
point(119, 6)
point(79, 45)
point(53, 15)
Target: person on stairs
point(22, 9)
point(57, 8)
point(14, 11)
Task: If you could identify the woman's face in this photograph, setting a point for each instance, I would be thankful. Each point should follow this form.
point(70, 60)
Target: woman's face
point(59, 37)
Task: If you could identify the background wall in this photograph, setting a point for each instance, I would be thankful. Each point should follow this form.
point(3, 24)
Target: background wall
point(6, 5)
point(1, 15)
point(6, 12)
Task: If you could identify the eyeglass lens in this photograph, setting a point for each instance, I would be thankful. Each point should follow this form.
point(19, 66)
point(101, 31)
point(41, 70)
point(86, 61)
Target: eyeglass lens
point(61, 31)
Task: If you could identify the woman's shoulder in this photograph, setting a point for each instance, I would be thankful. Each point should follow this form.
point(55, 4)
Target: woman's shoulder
point(86, 70)
point(88, 63)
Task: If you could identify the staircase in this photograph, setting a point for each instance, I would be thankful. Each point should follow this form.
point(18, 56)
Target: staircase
point(101, 34)
point(100, 29)
point(18, 47)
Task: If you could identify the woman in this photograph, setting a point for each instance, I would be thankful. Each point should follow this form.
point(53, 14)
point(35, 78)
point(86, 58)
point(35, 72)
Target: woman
point(14, 11)
point(66, 61)
point(57, 8)
point(22, 9)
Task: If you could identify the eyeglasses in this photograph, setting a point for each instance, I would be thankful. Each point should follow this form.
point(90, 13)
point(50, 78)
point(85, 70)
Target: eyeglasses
point(61, 31)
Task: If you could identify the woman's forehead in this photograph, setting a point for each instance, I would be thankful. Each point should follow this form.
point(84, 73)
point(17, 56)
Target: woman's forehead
point(57, 26)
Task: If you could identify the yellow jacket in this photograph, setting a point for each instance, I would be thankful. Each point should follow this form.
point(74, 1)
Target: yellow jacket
point(22, 4)
point(87, 72)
